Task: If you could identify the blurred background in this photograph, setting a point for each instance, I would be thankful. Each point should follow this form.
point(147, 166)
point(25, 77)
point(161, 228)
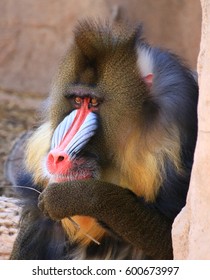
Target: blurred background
point(34, 35)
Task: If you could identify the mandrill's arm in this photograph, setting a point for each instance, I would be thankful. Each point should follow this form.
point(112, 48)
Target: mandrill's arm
point(119, 208)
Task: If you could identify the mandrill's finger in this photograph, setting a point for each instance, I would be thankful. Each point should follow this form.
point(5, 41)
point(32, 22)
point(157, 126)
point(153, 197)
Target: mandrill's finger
point(41, 205)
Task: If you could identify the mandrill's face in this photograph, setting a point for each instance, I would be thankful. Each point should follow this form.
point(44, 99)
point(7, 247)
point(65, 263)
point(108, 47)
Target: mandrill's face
point(67, 159)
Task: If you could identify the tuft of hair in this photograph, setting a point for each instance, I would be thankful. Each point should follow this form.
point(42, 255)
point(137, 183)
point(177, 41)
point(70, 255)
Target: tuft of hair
point(145, 158)
point(96, 38)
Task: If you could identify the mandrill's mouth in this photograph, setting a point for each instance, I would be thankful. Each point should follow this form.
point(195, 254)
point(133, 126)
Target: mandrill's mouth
point(79, 169)
point(72, 176)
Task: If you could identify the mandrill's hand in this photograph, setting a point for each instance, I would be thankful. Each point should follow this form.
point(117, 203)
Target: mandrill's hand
point(52, 202)
point(60, 200)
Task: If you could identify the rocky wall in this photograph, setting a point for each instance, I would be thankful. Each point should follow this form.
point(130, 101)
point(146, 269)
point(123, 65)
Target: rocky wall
point(191, 229)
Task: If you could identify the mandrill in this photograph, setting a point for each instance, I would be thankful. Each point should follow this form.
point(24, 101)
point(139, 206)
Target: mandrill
point(110, 164)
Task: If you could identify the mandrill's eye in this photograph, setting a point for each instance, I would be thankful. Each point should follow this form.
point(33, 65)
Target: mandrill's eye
point(94, 102)
point(77, 100)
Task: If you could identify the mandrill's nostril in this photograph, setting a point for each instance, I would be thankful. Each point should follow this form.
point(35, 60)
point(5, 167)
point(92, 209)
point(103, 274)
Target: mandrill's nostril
point(60, 158)
point(57, 156)
point(58, 161)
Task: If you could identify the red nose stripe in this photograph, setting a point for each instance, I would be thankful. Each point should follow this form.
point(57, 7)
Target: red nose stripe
point(78, 121)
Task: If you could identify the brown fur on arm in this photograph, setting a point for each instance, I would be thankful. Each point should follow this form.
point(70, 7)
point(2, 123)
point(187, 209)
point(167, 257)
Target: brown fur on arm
point(118, 208)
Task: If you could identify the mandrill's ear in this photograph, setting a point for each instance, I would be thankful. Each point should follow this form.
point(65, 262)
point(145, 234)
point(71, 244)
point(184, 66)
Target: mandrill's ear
point(145, 64)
